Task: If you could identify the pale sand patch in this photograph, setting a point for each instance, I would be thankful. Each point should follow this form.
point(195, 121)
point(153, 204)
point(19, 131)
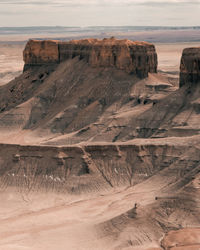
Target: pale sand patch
point(11, 62)
point(169, 55)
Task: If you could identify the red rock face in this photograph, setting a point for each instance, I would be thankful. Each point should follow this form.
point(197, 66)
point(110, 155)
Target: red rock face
point(138, 58)
point(190, 66)
point(41, 52)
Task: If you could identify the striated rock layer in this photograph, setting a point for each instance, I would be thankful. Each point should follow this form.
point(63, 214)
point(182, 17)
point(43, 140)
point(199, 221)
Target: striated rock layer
point(190, 66)
point(41, 52)
point(138, 58)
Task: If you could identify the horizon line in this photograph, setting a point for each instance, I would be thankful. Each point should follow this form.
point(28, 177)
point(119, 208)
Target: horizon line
point(96, 26)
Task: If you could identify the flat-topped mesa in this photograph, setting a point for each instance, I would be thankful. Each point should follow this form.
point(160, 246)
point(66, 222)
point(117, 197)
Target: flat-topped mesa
point(190, 66)
point(138, 58)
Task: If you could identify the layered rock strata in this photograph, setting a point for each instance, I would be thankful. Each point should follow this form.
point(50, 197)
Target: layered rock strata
point(89, 168)
point(138, 58)
point(40, 52)
point(190, 66)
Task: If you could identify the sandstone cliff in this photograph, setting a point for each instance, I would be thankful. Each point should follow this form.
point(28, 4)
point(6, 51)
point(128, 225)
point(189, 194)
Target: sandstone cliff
point(190, 66)
point(138, 58)
point(41, 52)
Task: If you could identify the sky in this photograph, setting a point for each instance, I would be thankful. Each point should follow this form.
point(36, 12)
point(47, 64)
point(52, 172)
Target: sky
point(99, 13)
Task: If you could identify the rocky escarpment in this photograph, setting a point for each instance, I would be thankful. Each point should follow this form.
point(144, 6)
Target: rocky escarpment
point(138, 58)
point(190, 66)
point(93, 167)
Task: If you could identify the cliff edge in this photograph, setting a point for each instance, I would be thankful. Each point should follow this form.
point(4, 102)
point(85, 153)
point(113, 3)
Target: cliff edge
point(190, 66)
point(137, 58)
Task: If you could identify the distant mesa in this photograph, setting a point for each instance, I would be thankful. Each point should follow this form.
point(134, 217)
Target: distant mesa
point(190, 66)
point(139, 58)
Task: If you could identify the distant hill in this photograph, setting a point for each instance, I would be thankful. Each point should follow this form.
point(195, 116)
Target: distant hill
point(144, 33)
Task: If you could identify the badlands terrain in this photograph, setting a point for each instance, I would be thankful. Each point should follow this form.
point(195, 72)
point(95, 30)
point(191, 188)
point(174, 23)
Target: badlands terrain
point(100, 145)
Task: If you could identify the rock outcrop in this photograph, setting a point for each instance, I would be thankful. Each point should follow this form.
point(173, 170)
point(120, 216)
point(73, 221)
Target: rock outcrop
point(184, 239)
point(40, 52)
point(137, 58)
point(190, 66)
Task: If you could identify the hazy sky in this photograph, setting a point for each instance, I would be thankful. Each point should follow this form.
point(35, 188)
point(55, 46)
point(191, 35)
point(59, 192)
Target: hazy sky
point(99, 12)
